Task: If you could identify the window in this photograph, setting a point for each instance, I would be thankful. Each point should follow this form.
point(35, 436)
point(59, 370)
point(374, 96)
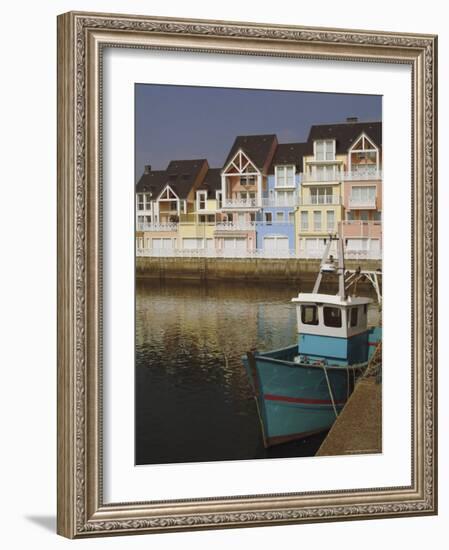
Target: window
point(247, 180)
point(304, 221)
point(285, 176)
point(317, 220)
point(309, 315)
point(140, 202)
point(332, 316)
point(218, 196)
point(268, 217)
point(364, 215)
point(325, 173)
point(325, 149)
point(140, 219)
point(377, 216)
point(291, 217)
point(280, 216)
point(202, 200)
point(202, 219)
point(321, 195)
point(354, 317)
point(330, 220)
point(364, 195)
point(147, 219)
point(252, 216)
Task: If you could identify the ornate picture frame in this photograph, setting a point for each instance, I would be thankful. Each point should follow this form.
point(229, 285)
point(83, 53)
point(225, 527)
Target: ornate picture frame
point(82, 38)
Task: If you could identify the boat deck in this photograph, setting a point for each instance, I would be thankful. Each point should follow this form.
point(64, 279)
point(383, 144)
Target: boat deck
point(358, 428)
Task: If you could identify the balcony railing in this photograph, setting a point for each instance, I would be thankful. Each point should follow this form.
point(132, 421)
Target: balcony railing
point(361, 228)
point(355, 202)
point(322, 177)
point(157, 227)
point(291, 201)
point(240, 203)
point(235, 226)
point(313, 200)
point(214, 253)
point(354, 254)
point(314, 253)
point(318, 228)
point(362, 175)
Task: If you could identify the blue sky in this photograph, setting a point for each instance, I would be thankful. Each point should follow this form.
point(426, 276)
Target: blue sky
point(186, 122)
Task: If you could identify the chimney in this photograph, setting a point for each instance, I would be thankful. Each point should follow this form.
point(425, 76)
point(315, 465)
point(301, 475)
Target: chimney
point(352, 119)
point(147, 168)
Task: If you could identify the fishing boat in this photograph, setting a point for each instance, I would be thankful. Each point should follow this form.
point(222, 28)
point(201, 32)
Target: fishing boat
point(301, 389)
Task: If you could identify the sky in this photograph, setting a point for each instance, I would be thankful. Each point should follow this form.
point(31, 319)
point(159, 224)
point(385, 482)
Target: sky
point(188, 122)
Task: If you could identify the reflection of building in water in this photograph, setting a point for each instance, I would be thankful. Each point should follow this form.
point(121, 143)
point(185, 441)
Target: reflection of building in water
point(269, 199)
point(207, 328)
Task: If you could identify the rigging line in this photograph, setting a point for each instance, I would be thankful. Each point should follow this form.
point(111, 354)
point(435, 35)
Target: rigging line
point(330, 391)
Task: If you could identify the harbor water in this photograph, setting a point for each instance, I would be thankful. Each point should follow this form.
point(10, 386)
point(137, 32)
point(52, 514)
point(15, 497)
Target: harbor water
point(193, 399)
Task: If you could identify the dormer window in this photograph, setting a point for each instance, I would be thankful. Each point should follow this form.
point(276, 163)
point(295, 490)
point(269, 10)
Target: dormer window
point(144, 201)
point(324, 149)
point(201, 198)
point(364, 156)
point(285, 175)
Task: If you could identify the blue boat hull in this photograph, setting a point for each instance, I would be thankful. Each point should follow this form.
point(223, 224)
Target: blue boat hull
point(295, 400)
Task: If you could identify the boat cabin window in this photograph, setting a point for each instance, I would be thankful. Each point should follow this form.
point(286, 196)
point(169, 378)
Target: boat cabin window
point(309, 315)
point(354, 317)
point(332, 316)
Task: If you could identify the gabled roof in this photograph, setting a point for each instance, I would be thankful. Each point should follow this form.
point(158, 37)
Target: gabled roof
point(257, 148)
point(289, 153)
point(211, 182)
point(180, 175)
point(345, 134)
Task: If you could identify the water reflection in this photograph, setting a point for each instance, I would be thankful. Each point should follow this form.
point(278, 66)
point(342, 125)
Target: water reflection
point(193, 399)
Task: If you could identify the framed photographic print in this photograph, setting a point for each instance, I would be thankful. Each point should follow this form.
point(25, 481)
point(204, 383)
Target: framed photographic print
point(247, 274)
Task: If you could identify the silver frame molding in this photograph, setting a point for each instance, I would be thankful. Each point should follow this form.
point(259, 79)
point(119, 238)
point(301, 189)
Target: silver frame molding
point(81, 38)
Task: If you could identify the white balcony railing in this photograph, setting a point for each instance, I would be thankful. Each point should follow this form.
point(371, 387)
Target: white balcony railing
point(239, 203)
point(314, 253)
point(157, 227)
point(313, 200)
point(355, 202)
point(235, 226)
point(362, 175)
point(350, 254)
point(213, 253)
point(280, 202)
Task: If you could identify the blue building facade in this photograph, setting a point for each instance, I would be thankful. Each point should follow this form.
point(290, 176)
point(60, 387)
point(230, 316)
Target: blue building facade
point(275, 223)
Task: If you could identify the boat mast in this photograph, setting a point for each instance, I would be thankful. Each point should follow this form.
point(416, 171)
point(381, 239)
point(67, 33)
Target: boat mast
point(341, 269)
point(327, 265)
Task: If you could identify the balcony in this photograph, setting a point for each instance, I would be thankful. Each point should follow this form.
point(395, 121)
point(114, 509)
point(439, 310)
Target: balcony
point(157, 227)
point(362, 175)
point(235, 226)
point(322, 176)
point(240, 203)
point(316, 200)
point(318, 228)
point(361, 228)
point(280, 201)
point(362, 203)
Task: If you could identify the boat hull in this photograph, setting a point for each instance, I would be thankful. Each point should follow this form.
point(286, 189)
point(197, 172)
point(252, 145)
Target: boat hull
point(296, 400)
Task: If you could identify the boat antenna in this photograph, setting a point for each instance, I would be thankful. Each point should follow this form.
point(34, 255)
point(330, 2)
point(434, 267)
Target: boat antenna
point(328, 265)
point(341, 269)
